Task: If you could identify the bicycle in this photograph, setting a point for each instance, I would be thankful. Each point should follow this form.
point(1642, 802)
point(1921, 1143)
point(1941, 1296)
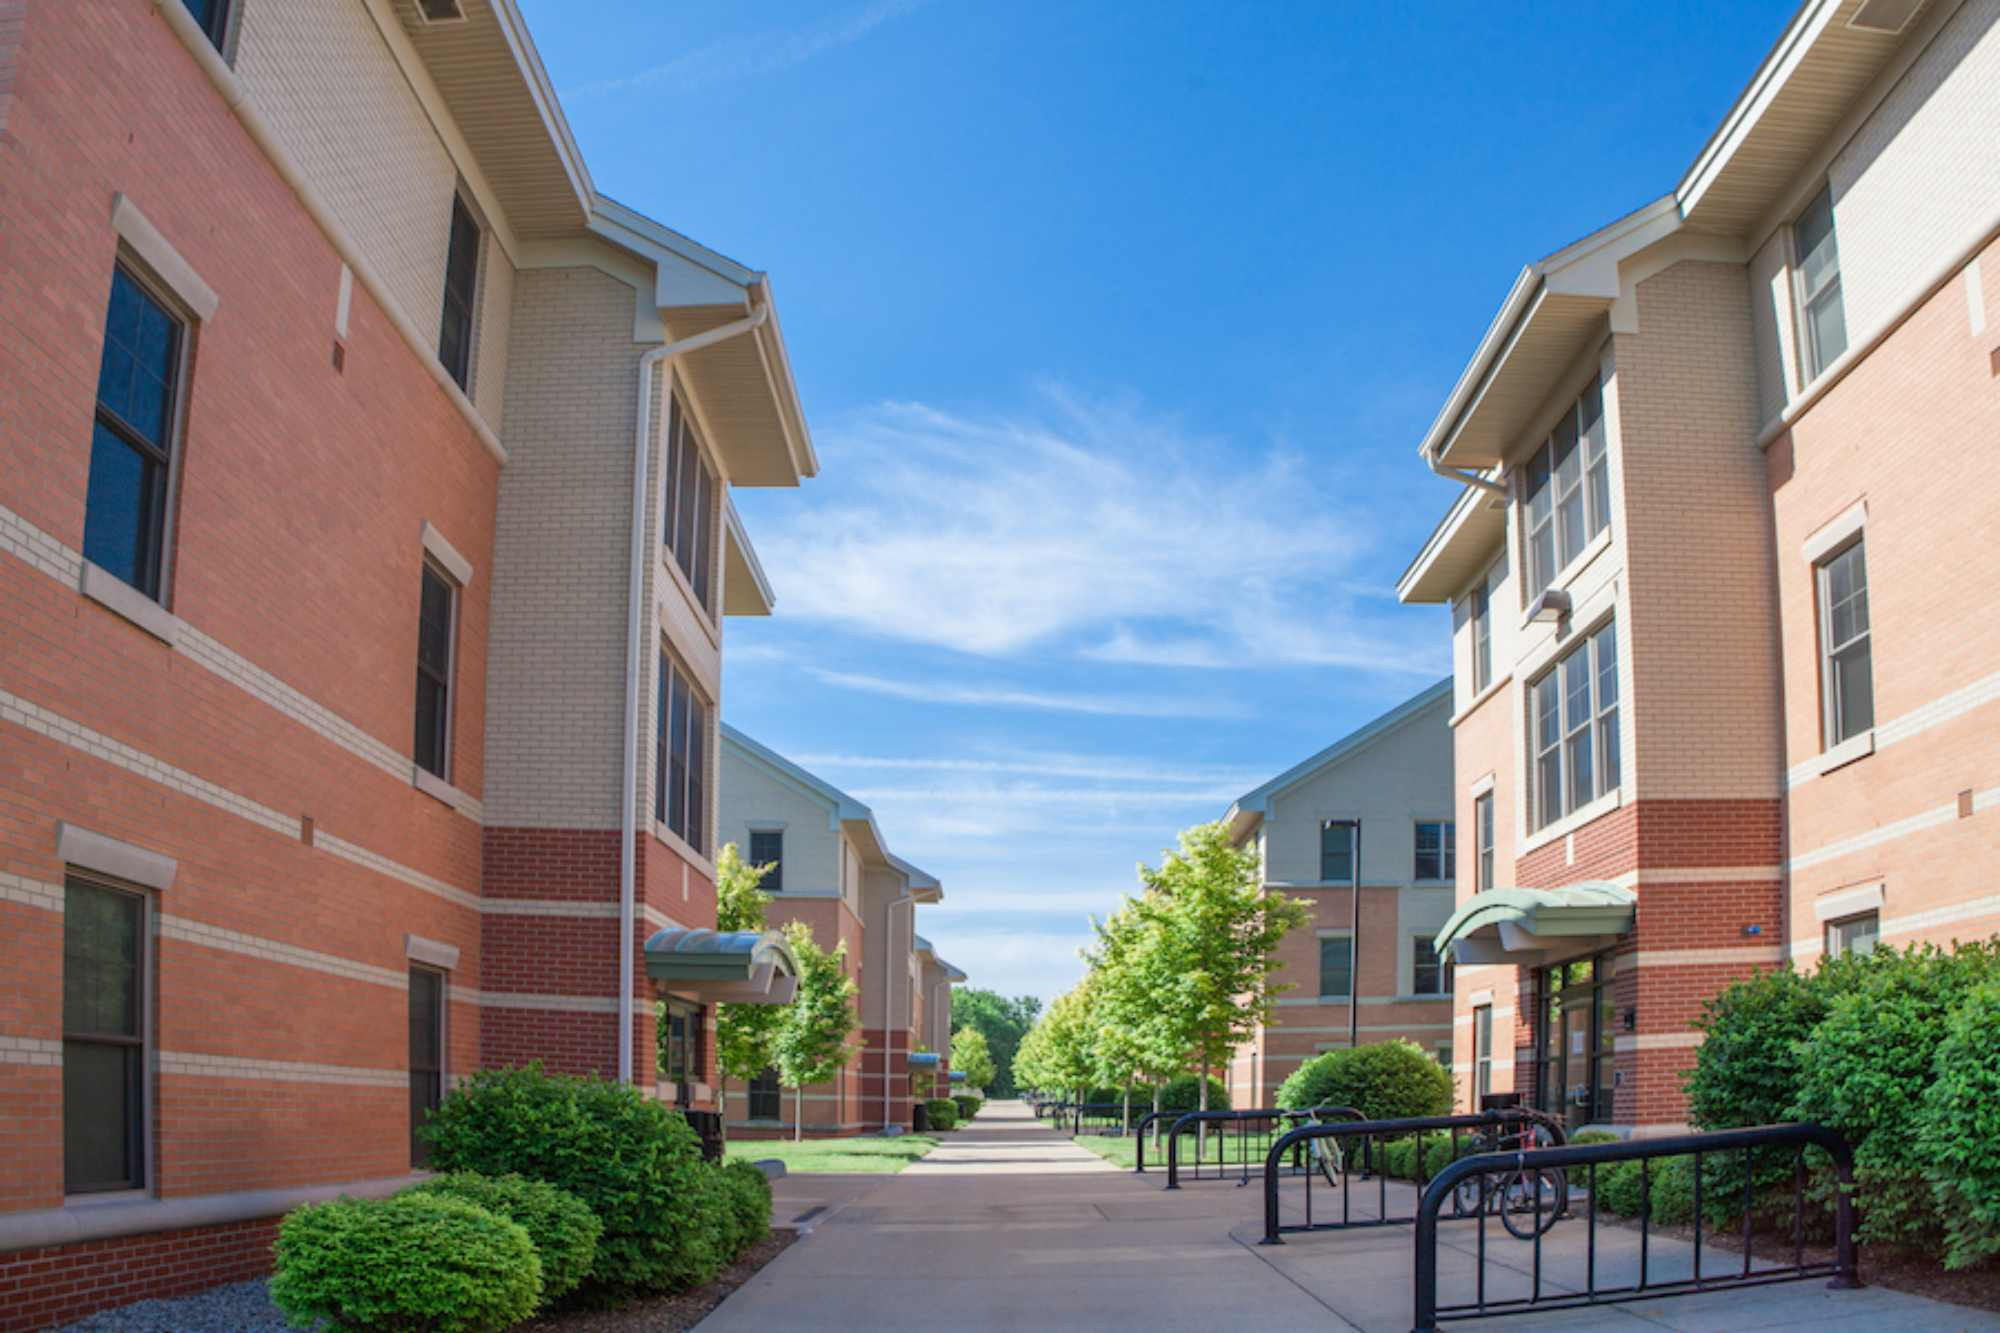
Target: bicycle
point(1329, 1160)
point(1527, 1202)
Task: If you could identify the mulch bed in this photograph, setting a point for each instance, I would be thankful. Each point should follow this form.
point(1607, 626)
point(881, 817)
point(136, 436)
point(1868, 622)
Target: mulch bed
point(671, 1314)
point(1899, 1270)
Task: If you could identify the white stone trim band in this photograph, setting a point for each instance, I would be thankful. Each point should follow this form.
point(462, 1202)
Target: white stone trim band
point(111, 856)
point(30, 1051)
point(197, 1064)
point(106, 1221)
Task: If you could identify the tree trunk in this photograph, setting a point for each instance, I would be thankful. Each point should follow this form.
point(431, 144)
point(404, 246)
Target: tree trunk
point(799, 1114)
point(1158, 1082)
point(1201, 1126)
point(1128, 1109)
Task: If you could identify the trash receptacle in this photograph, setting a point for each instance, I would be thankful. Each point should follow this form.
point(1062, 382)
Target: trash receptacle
point(920, 1119)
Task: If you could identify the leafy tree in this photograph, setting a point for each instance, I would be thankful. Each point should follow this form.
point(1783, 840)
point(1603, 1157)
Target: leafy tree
point(1210, 930)
point(744, 1033)
point(1003, 1021)
point(970, 1056)
point(1055, 1056)
point(1139, 1038)
point(811, 1042)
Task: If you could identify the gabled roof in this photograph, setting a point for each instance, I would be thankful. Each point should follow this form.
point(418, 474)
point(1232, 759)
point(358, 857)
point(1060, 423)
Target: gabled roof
point(842, 811)
point(1252, 805)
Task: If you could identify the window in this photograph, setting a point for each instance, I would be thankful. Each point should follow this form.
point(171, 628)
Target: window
point(1847, 680)
point(765, 1095)
point(1429, 974)
point(687, 523)
point(1576, 728)
point(427, 992)
point(1482, 824)
point(1437, 850)
point(461, 289)
point(104, 1038)
point(1336, 850)
point(1336, 967)
point(212, 17)
point(437, 607)
point(767, 848)
point(1482, 1051)
point(1482, 638)
point(680, 775)
point(131, 449)
point(1818, 258)
point(1853, 935)
point(1566, 491)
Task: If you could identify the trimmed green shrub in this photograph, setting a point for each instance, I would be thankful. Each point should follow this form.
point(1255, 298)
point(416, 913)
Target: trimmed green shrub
point(747, 1193)
point(1958, 1129)
point(942, 1113)
point(1594, 1136)
point(1620, 1188)
point(968, 1107)
point(563, 1230)
point(632, 1161)
point(1389, 1080)
point(417, 1263)
point(1184, 1094)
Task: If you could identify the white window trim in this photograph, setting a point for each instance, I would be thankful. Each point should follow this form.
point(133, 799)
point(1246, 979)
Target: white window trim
point(100, 854)
point(1574, 820)
point(158, 254)
point(1836, 533)
point(1861, 742)
point(1855, 900)
point(441, 550)
point(430, 953)
point(127, 602)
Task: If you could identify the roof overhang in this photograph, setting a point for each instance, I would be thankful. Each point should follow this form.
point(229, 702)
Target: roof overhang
point(1250, 808)
point(1530, 926)
point(1458, 551)
point(748, 399)
point(745, 590)
point(735, 967)
point(923, 886)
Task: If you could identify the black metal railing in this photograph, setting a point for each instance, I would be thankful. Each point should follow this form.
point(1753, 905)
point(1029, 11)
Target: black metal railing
point(1330, 1152)
point(1487, 1178)
point(1148, 1125)
point(1239, 1139)
point(1105, 1118)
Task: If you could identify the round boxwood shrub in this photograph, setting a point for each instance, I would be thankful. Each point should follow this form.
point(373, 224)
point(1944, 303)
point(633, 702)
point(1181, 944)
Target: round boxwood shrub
point(1958, 1129)
point(747, 1194)
point(968, 1107)
point(563, 1230)
point(632, 1161)
point(417, 1263)
point(1184, 1094)
point(941, 1112)
point(1389, 1080)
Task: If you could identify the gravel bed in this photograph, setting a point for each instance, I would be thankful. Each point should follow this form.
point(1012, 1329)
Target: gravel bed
point(240, 1307)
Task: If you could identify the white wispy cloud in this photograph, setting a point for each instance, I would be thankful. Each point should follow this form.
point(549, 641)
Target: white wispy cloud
point(751, 55)
point(1045, 701)
point(1095, 531)
point(1042, 763)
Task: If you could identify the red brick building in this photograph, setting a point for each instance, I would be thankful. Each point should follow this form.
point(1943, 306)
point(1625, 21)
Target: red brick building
point(1719, 703)
point(365, 545)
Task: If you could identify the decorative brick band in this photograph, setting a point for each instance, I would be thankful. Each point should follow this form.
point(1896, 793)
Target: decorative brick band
point(1750, 954)
point(195, 1064)
point(251, 946)
point(30, 893)
point(30, 1051)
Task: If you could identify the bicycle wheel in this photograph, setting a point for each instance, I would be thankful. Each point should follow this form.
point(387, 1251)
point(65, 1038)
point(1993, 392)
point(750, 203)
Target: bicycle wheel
point(1327, 1162)
point(1467, 1197)
point(1529, 1202)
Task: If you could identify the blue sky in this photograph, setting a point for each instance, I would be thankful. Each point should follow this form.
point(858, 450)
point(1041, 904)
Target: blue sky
point(1117, 326)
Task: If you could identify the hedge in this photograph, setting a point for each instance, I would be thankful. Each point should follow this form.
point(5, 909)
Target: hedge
point(632, 1161)
point(416, 1263)
point(968, 1107)
point(1958, 1129)
point(941, 1113)
point(563, 1231)
point(747, 1192)
point(1389, 1080)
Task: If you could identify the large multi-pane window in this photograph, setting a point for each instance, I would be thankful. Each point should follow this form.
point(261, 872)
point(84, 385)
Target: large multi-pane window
point(1575, 723)
point(427, 992)
point(1853, 935)
point(681, 1044)
point(1336, 967)
point(1437, 850)
point(1429, 974)
point(1482, 824)
point(131, 442)
point(687, 522)
point(1847, 681)
point(1566, 490)
point(765, 1095)
point(1337, 848)
point(1820, 309)
point(680, 774)
point(436, 610)
point(461, 292)
point(1482, 1050)
point(767, 848)
point(104, 1038)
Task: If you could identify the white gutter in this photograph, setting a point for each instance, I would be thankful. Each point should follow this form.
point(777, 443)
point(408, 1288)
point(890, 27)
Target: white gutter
point(889, 992)
point(1451, 473)
point(642, 444)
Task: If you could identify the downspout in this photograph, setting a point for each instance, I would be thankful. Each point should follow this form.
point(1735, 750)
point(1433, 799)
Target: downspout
point(889, 992)
point(1473, 479)
point(642, 447)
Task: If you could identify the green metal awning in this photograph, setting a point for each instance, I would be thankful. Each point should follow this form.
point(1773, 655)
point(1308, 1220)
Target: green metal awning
point(734, 967)
point(1526, 926)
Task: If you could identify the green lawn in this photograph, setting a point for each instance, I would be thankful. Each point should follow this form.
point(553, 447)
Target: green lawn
point(1118, 1151)
point(866, 1153)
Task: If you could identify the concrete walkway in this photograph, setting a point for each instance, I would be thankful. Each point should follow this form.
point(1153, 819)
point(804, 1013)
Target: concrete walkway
point(1007, 1225)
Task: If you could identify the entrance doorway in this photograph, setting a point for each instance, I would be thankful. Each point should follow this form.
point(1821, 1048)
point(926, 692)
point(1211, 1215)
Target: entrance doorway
point(1575, 1029)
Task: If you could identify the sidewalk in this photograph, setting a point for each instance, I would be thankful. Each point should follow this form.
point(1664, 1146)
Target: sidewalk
point(1007, 1225)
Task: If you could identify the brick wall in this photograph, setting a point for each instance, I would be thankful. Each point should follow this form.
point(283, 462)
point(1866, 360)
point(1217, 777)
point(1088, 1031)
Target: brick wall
point(43, 1288)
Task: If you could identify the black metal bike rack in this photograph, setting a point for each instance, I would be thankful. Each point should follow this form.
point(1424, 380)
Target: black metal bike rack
point(1569, 1158)
point(1251, 1131)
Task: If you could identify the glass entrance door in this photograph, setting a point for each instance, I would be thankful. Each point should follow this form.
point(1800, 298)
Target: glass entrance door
point(1575, 1024)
